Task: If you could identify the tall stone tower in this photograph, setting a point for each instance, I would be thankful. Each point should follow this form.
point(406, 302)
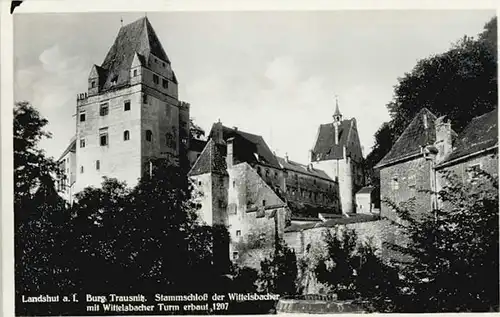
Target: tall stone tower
point(131, 112)
point(337, 151)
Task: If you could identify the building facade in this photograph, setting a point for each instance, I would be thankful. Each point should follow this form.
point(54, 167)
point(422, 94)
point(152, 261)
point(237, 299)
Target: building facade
point(337, 151)
point(130, 113)
point(412, 170)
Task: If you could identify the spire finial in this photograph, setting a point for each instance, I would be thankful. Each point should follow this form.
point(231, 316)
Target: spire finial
point(121, 21)
point(337, 111)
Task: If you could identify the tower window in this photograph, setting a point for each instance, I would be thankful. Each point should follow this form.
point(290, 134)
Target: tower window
point(81, 169)
point(235, 255)
point(238, 233)
point(82, 116)
point(97, 165)
point(164, 83)
point(263, 203)
point(104, 109)
point(93, 84)
point(135, 72)
point(144, 99)
point(149, 135)
point(82, 143)
point(156, 80)
point(103, 136)
point(126, 105)
point(163, 64)
point(126, 135)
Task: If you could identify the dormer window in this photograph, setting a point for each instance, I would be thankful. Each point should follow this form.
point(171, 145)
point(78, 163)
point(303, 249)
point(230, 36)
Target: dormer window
point(135, 72)
point(92, 84)
point(114, 80)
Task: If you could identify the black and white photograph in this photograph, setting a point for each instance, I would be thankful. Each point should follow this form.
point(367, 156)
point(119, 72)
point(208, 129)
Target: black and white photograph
point(242, 162)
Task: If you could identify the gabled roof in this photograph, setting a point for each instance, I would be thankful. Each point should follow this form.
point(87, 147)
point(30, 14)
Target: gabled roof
point(211, 160)
point(250, 148)
point(70, 148)
point(366, 190)
point(325, 147)
point(420, 132)
point(301, 168)
point(479, 135)
point(136, 37)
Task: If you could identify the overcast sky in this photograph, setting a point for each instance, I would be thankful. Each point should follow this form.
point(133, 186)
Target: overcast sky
point(270, 73)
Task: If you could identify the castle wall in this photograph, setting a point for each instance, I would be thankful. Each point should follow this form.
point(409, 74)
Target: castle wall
point(488, 162)
point(340, 170)
point(252, 206)
point(202, 193)
point(404, 181)
point(313, 190)
point(119, 158)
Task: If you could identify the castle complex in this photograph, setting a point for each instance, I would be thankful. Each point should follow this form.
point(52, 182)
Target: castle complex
point(131, 114)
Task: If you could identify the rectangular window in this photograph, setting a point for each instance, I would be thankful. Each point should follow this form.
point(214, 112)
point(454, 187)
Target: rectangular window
point(104, 109)
point(263, 203)
point(82, 143)
point(238, 233)
point(97, 165)
point(126, 105)
point(156, 79)
point(103, 136)
point(81, 169)
point(93, 84)
point(235, 255)
point(144, 99)
point(164, 83)
point(82, 116)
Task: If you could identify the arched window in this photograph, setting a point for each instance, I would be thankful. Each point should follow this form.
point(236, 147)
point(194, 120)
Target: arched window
point(149, 135)
point(126, 135)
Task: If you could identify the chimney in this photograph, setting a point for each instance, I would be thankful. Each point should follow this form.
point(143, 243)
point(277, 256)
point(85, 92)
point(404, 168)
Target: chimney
point(286, 158)
point(229, 156)
point(235, 128)
point(218, 133)
point(443, 138)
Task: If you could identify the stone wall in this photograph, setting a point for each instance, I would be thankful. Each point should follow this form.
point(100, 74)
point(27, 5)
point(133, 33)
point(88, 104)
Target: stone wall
point(310, 247)
point(411, 178)
point(252, 208)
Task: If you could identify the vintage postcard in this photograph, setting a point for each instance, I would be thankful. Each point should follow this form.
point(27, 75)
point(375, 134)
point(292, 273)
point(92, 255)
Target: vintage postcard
point(250, 161)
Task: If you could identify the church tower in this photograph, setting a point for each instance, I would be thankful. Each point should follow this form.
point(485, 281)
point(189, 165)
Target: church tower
point(131, 112)
point(337, 151)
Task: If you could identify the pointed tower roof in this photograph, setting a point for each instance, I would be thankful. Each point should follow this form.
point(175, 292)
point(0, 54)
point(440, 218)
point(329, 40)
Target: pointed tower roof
point(136, 37)
point(337, 111)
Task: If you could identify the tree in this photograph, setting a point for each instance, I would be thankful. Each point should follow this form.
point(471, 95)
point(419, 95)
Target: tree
point(338, 266)
point(150, 234)
point(453, 251)
point(278, 273)
point(443, 84)
point(30, 162)
point(42, 237)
